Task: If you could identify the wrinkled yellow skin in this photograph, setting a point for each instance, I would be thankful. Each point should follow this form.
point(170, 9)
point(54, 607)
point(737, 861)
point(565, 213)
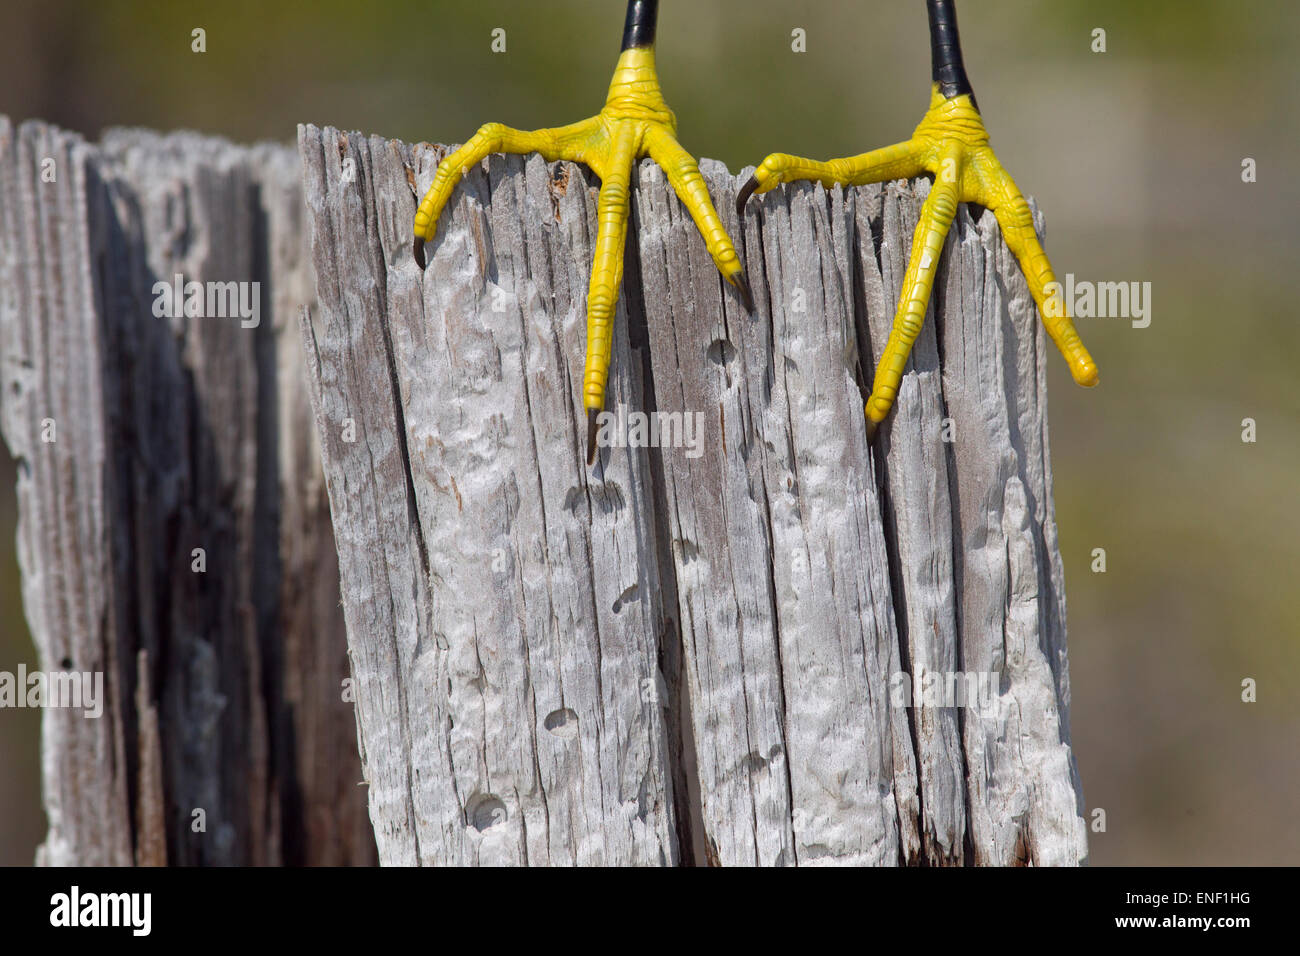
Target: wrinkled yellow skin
point(635, 122)
point(952, 144)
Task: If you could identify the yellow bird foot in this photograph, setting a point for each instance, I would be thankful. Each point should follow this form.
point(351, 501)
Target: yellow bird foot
point(952, 145)
point(635, 122)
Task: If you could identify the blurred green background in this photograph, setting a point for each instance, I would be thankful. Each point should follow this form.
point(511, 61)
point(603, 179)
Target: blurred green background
point(1133, 154)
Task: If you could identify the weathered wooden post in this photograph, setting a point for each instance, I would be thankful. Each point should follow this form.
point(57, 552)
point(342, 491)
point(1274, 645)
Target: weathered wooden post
point(766, 643)
point(174, 531)
point(777, 645)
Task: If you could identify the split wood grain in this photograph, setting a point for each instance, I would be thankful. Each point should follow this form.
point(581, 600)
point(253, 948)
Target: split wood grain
point(141, 437)
point(679, 657)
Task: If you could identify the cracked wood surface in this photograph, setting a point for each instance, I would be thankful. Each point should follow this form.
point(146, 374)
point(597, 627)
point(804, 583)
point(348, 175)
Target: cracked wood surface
point(674, 658)
point(223, 687)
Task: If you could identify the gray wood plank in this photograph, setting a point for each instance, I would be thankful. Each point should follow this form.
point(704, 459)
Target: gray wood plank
point(1023, 787)
point(224, 688)
point(729, 631)
point(964, 563)
point(502, 602)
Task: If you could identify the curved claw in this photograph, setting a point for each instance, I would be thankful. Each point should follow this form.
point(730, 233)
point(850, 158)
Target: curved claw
point(746, 294)
point(418, 251)
point(743, 197)
point(592, 432)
